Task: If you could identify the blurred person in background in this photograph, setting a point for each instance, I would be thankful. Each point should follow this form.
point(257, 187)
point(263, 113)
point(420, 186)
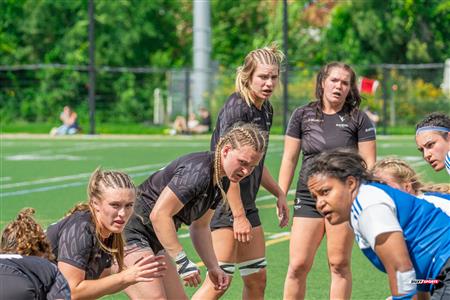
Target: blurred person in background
point(69, 119)
point(332, 121)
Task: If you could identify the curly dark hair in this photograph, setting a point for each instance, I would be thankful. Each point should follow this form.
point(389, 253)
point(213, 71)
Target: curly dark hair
point(25, 236)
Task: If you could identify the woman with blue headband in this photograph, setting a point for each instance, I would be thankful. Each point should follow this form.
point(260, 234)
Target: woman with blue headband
point(433, 140)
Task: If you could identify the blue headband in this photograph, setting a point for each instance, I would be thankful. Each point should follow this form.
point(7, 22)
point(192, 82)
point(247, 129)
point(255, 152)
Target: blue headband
point(432, 128)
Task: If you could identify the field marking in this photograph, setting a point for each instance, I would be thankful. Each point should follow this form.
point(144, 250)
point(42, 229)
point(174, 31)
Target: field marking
point(99, 146)
point(75, 176)
point(62, 186)
point(34, 157)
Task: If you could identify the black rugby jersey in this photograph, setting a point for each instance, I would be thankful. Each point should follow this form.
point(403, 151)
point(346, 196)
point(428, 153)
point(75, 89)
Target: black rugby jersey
point(31, 277)
point(74, 242)
point(190, 177)
point(236, 110)
point(334, 131)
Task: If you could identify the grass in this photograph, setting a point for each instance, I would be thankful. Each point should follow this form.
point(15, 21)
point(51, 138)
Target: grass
point(50, 174)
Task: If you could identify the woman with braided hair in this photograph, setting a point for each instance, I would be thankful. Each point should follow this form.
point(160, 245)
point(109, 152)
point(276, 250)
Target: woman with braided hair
point(398, 174)
point(238, 236)
point(89, 239)
point(25, 268)
point(185, 192)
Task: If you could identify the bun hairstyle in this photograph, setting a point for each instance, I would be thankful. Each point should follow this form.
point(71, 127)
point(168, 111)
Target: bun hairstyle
point(25, 236)
point(340, 164)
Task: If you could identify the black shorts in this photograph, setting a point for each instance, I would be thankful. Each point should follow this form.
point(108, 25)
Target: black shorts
point(305, 205)
point(441, 290)
point(139, 231)
point(223, 217)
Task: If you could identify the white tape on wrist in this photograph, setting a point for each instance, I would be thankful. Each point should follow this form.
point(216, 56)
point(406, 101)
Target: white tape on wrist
point(185, 267)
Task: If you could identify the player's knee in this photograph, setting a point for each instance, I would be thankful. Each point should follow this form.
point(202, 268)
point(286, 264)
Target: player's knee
point(256, 281)
point(253, 273)
point(299, 268)
point(340, 267)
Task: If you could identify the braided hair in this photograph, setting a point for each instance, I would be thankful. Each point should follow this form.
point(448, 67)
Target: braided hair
point(98, 183)
point(238, 136)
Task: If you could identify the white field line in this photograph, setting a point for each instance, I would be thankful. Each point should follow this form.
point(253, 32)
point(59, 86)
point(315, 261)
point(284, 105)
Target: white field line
point(62, 186)
point(99, 146)
point(76, 176)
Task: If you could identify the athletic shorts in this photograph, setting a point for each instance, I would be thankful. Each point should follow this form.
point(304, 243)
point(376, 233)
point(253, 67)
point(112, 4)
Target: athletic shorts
point(139, 231)
point(305, 205)
point(441, 290)
point(223, 217)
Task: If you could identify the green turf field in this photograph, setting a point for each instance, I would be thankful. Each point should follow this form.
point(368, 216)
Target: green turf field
point(51, 175)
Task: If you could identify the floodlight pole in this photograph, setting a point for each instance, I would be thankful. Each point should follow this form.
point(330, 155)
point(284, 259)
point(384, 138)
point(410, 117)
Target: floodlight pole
point(285, 77)
point(91, 85)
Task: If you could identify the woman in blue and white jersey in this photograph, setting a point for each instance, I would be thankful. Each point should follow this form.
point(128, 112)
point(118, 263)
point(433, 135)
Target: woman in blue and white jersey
point(398, 174)
point(433, 140)
point(402, 235)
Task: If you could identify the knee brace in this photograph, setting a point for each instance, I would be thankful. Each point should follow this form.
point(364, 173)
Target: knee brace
point(252, 266)
point(228, 268)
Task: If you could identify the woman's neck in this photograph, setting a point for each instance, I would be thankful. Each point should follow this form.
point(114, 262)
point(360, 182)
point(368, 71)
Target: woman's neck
point(332, 109)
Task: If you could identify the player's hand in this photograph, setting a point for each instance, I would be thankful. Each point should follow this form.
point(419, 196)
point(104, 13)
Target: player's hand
point(282, 211)
point(219, 278)
point(145, 269)
point(187, 270)
point(192, 280)
point(242, 229)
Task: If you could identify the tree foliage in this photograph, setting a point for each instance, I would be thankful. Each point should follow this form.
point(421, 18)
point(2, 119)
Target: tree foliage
point(159, 33)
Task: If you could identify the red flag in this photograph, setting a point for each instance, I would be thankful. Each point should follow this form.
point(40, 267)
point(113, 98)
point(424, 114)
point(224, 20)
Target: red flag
point(367, 85)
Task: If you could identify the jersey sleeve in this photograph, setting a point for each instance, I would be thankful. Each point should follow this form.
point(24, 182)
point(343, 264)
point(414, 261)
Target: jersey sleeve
point(375, 220)
point(366, 129)
point(75, 244)
point(60, 288)
point(294, 128)
point(188, 182)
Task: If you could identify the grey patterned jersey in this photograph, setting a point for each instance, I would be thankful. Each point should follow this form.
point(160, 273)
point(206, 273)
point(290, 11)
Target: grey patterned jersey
point(236, 110)
point(74, 242)
point(340, 130)
point(190, 177)
point(31, 277)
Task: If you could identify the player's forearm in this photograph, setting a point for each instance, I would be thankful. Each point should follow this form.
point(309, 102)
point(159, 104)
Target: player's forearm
point(234, 200)
point(270, 184)
point(202, 241)
point(166, 232)
point(94, 289)
point(286, 174)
